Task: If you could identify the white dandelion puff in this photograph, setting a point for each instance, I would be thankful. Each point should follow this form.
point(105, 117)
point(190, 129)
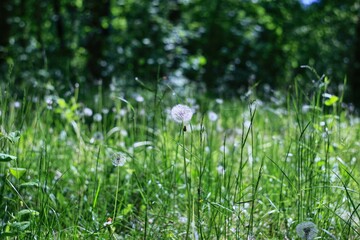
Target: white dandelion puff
point(97, 117)
point(181, 113)
point(306, 230)
point(139, 98)
point(183, 219)
point(219, 101)
point(220, 169)
point(213, 116)
point(87, 112)
point(17, 104)
point(119, 159)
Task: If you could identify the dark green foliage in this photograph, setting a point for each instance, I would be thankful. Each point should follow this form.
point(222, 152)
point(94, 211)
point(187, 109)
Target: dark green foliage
point(226, 45)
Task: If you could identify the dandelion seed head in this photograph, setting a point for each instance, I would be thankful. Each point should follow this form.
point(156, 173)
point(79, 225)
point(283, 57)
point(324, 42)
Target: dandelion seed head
point(306, 230)
point(224, 149)
point(306, 108)
point(220, 169)
point(247, 124)
point(181, 113)
point(219, 101)
point(97, 117)
point(139, 98)
point(122, 112)
point(87, 112)
point(123, 133)
point(105, 111)
point(191, 101)
point(212, 116)
point(98, 136)
point(17, 104)
point(183, 219)
point(119, 159)
point(62, 135)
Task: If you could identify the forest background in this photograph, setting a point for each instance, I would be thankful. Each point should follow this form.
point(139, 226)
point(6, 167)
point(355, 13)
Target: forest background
point(224, 47)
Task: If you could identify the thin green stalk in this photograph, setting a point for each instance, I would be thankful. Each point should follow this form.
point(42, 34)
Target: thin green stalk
point(117, 192)
point(188, 189)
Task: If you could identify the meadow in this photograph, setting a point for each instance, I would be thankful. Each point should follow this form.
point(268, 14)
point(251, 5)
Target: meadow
point(124, 164)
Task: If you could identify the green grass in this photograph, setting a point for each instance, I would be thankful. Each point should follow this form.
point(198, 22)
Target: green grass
point(256, 172)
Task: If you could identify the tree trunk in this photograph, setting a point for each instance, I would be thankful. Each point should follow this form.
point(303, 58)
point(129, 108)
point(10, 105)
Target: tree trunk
point(59, 23)
point(5, 8)
point(354, 76)
point(96, 11)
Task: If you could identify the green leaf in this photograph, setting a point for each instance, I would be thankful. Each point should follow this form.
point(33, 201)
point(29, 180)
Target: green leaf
point(331, 101)
point(26, 212)
point(17, 172)
point(29, 184)
point(202, 60)
point(20, 226)
point(14, 137)
point(320, 163)
point(6, 157)
point(62, 103)
point(8, 234)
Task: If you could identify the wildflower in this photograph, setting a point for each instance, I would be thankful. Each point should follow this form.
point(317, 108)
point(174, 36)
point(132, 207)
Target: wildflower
point(123, 133)
point(17, 104)
point(213, 116)
point(105, 111)
point(119, 159)
point(87, 112)
point(183, 219)
point(306, 230)
point(139, 98)
point(220, 169)
point(181, 113)
point(97, 117)
point(98, 136)
point(219, 101)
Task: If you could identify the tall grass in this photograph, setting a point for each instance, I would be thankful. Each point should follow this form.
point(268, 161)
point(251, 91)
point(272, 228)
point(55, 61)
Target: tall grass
point(242, 170)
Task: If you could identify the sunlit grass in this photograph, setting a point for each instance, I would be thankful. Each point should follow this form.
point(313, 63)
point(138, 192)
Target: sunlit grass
point(241, 170)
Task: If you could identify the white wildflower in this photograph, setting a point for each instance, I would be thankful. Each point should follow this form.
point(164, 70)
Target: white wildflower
point(123, 133)
point(105, 111)
point(139, 98)
point(97, 117)
point(87, 112)
point(212, 116)
point(183, 219)
point(181, 113)
point(220, 169)
point(306, 230)
point(219, 101)
point(17, 104)
point(119, 159)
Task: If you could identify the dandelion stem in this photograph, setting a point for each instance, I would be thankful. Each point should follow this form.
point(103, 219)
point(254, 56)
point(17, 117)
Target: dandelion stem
point(116, 194)
point(188, 193)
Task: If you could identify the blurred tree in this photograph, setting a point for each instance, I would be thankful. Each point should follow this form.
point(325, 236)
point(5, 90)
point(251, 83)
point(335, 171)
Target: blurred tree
point(242, 42)
point(5, 12)
point(59, 23)
point(354, 70)
point(327, 37)
point(96, 27)
point(228, 45)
